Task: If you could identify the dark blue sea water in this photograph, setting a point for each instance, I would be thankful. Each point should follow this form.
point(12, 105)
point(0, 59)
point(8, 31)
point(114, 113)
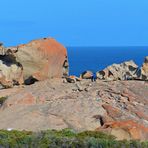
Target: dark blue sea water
point(97, 58)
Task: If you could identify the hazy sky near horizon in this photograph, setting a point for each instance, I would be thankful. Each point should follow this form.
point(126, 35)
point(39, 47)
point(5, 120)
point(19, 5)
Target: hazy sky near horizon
point(75, 22)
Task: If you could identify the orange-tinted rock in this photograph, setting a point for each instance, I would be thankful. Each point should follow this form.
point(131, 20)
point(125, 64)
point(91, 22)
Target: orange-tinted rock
point(38, 60)
point(141, 115)
point(76, 108)
point(28, 99)
point(42, 59)
point(72, 79)
point(8, 92)
point(25, 99)
point(86, 75)
point(126, 130)
point(112, 111)
point(128, 94)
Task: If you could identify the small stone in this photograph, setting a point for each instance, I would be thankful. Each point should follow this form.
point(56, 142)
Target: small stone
point(86, 75)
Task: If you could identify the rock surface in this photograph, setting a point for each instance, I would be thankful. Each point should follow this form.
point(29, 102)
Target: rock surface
point(38, 60)
point(117, 107)
point(42, 59)
point(11, 71)
point(86, 75)
point(126, 130)
point(144, 70)
point(72, 79)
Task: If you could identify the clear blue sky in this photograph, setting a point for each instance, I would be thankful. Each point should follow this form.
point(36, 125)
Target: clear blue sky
point(75, 22)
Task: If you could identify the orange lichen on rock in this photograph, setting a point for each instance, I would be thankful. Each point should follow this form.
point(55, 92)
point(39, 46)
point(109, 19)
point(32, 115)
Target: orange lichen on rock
point(112, 111)
point(28, 99)
point(131, 128)
point(42, 59)
point(38, 60)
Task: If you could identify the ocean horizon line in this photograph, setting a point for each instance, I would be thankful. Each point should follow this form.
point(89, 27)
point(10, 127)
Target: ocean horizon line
point(104, 46)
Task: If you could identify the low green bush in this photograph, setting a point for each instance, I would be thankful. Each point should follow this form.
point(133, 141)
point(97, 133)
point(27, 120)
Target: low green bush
point(95, 134)
point(66, 138)
point(2, 100)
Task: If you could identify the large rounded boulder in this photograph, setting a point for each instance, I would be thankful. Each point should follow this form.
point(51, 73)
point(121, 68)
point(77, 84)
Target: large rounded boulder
point(42, 59)
point(38, 60)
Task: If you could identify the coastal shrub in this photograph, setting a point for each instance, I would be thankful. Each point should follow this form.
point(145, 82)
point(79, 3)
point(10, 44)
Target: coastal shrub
point(95, 134)
point(66, 138)
point(144, 144)
point(2, 100)
point(14, 138)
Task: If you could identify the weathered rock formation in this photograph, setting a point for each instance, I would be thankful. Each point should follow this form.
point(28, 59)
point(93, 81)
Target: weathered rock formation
point(143, 73)
point(126, 130)
point(11, 71)
point(116, 107)
point(38, 60)
point(124, 71)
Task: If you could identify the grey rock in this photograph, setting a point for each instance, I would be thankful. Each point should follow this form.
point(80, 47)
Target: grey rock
point(11, 72)
point(124, 71)
point(79, 86)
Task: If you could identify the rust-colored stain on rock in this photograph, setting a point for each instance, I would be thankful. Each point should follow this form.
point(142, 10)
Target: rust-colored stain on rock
point(42, 58)
point(135, 130)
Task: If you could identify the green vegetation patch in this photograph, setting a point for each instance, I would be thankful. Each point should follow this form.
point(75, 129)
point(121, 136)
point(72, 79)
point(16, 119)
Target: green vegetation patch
point(2, 100)
point(66, 138)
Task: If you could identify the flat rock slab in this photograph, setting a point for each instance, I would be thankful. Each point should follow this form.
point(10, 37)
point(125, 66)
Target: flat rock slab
point(52, 104)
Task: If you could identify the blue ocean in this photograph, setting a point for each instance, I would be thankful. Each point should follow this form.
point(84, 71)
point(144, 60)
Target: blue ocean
point(97, 58)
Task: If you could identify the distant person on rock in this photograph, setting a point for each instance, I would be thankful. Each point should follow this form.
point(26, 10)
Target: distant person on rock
point(94, 77)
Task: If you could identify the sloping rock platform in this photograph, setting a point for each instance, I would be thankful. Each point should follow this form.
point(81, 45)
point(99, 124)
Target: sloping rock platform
point(116, 107)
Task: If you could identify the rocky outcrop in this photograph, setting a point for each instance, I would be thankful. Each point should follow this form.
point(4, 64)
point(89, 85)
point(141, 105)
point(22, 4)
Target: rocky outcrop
point(124, 71)
point(48, 105)
point(126, 130)
point(42, 59)
point(38, 60)
point(116, 107)
point(143, 74)
point(11, 71)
